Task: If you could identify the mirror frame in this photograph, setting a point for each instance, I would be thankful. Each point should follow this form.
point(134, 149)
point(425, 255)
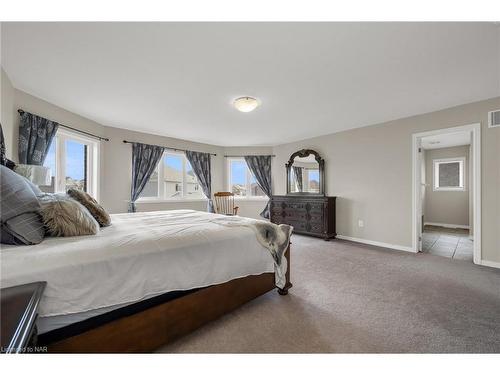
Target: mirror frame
point(321, 162)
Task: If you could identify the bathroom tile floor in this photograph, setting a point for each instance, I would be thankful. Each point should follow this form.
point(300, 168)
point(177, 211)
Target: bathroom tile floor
point(447, 242)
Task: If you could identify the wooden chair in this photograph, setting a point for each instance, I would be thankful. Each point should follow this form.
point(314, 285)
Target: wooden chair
point(224, 203)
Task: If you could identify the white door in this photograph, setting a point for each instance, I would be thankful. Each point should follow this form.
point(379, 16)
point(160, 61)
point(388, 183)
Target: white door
point(420, 192)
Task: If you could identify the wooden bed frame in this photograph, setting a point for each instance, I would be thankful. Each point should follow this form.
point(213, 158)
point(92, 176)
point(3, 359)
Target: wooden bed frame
point(154, 326)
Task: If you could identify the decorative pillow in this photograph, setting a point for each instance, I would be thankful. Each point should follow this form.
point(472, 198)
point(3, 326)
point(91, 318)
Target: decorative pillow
point(21, 221)
point(65, 217)
point(36, 190)
point(91, 204)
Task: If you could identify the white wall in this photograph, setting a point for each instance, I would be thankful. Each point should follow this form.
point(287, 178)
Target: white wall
point(447, 207)
point(370, 171)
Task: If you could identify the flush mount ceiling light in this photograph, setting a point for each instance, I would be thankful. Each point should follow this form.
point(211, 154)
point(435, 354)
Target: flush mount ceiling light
point(246, 104)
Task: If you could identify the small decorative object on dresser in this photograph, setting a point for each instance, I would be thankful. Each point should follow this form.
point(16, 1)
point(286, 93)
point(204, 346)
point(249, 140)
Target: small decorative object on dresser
point(305, 207)
point(19, 307)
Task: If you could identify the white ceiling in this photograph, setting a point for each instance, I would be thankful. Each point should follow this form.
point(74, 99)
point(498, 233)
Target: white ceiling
point(446, 140)
point(179, 79)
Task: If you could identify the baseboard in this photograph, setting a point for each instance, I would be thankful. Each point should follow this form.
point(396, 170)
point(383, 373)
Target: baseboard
point(376, 243)
point(489, 263)
point(448, 225)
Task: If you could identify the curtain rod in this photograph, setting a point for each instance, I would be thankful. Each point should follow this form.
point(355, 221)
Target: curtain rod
point(21, 112)
point(168, 148)
point(242, 156)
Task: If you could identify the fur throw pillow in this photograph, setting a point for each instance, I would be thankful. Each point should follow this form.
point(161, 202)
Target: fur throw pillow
point(65, 217)
point(91, 204)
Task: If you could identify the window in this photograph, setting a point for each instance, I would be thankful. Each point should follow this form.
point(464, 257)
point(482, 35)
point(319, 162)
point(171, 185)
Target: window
point(449, 174)
point(310, 180)
point(241, 181)
point(173, 179)
point(72, 160)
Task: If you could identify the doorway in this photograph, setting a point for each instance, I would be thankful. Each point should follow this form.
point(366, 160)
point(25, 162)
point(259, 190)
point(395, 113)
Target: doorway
point(447, 192)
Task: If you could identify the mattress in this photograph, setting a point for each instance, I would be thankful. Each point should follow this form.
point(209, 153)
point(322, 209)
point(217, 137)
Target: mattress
point(141, 255)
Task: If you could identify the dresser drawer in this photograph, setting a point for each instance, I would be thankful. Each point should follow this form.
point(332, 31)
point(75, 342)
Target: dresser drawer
point(277, 219)
point(304, 216)
point(302, 206)
point(315, 217)
point(277, 210)
point(306, 227)
point(314, 207)
point(292, 206)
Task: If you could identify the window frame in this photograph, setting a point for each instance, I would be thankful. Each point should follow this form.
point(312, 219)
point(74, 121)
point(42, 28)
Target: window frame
point(92, 167)
point(462, 174)
point(161, 197)
point(247, 180)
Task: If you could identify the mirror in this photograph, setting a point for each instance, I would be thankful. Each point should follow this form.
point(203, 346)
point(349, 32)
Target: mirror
point(305, 173)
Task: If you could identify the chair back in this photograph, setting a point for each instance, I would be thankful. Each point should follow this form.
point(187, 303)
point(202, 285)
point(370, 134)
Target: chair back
point(224, 203)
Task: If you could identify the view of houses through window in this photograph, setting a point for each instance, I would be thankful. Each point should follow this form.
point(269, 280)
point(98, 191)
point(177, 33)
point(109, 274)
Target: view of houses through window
point(310, 180)
point(70, 159)
point(174, 178)
point(241, 181)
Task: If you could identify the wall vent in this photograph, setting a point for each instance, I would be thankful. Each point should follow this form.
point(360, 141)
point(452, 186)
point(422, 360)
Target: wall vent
point(494, 119)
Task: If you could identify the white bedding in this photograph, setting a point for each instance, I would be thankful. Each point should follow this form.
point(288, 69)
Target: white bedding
point(139, 256)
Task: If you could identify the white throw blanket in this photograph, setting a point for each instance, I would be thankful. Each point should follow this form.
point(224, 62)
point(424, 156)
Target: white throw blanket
point(273, 237)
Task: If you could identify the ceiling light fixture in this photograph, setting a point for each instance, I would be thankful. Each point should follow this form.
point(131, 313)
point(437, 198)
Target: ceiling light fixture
point(246, 104)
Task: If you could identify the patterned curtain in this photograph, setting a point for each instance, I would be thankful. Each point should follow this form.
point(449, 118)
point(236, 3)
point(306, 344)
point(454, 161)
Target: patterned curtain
point(200, 161)
point(297, 171)
point(35, 136)
point(145, 158)
point(260, 166)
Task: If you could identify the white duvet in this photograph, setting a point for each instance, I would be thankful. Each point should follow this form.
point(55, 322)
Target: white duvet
point(140, 255)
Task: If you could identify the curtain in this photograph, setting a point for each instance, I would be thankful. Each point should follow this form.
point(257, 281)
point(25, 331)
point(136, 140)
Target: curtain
point(145, 158)
point(35, 136)
point(3, 158)
point(260, 166)
point(297, 171)
point(200, 162)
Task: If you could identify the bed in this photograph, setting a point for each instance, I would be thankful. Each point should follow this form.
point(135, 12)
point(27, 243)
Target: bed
point(142, 282)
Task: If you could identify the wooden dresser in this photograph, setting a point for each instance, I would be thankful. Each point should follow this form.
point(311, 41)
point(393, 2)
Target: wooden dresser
point(311, 215)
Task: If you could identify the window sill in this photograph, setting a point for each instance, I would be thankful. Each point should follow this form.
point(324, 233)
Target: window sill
point(250, 199)
point(450, 189)
point(147, 201)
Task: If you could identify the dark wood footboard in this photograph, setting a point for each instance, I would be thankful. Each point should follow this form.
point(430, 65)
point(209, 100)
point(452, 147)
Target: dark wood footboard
point(161, 324)
point(288, 284)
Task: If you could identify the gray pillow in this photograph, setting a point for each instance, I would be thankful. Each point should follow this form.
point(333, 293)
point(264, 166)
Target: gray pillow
point(36, 190)
point(21, 221)
point(65, 217)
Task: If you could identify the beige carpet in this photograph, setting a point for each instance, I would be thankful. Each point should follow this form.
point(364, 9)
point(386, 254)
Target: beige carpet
point(357, 298)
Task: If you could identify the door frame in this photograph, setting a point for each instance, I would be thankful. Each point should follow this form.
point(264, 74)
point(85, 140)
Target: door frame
point(475, 182)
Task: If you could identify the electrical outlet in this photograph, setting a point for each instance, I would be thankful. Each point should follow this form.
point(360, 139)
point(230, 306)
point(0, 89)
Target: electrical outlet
point(361, 223)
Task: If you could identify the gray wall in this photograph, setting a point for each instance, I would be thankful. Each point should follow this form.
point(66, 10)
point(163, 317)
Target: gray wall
point(370, 170)
point(447, 207)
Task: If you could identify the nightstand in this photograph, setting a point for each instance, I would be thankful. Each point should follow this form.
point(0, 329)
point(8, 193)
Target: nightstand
point(19, 311)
